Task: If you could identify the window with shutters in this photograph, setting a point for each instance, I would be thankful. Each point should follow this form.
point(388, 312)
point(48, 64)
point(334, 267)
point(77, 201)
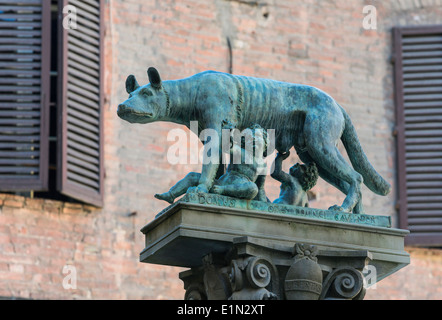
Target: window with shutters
point(418, 78)
point(51, 98)
point(24, 94)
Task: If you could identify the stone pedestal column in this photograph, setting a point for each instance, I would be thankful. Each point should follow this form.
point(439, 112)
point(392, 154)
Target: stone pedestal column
point(253, 271)
point(238, 249)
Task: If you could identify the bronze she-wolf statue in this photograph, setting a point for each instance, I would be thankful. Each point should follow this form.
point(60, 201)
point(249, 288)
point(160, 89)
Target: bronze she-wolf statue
point(302, 116)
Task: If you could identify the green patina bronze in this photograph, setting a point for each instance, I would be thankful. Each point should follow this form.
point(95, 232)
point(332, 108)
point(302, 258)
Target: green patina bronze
point(296, 183)
point(302, 116)
point(272, 208)
point(242, 179)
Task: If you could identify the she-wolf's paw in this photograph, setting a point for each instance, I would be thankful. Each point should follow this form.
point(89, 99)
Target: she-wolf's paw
point(191, 190)
point(336, 208)
point(199, 189)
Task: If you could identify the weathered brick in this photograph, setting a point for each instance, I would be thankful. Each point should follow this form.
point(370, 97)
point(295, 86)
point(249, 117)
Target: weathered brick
point(13, 203)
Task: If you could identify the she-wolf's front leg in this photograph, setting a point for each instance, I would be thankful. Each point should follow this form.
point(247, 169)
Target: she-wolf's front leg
point(207, 178)
point(211, 160)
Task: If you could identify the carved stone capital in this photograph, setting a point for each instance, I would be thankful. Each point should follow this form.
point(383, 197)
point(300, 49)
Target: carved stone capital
point(344, 283)
point(252, 278)
point(303, 280)
point(256, 270)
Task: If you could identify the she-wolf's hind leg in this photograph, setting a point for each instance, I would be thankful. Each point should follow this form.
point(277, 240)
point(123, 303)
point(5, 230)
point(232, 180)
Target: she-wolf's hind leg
point(321, 145)
point(341, 185)
point(330, 159)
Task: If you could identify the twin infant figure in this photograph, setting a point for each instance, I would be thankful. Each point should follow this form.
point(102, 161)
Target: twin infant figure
point(243, 180)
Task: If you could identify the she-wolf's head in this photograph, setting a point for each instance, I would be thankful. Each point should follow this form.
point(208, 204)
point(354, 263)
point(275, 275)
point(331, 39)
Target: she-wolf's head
point(146, 103)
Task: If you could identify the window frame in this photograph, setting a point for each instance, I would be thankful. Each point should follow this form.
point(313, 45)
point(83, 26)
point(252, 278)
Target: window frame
point(402, 201)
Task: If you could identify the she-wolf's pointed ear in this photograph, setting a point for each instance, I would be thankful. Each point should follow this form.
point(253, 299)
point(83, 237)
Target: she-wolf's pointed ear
point(131, 84)
point(154, 77)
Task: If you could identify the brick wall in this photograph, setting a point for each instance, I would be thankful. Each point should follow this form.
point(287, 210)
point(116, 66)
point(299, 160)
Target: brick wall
point(38, 238)
point(320, 43)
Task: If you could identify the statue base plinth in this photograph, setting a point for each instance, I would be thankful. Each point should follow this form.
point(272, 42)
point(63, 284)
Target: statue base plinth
point(245, 253)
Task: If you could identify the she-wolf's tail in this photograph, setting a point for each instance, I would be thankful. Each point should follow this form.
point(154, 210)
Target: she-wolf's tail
point(359, 160)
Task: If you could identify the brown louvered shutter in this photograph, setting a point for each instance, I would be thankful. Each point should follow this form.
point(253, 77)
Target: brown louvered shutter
point(418, 77)
point(24, 94)
point(80, 120)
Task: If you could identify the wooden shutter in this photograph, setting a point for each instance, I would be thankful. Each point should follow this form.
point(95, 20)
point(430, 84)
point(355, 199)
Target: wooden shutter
point(418, 77)
point(80, 118)
point(24, 94)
